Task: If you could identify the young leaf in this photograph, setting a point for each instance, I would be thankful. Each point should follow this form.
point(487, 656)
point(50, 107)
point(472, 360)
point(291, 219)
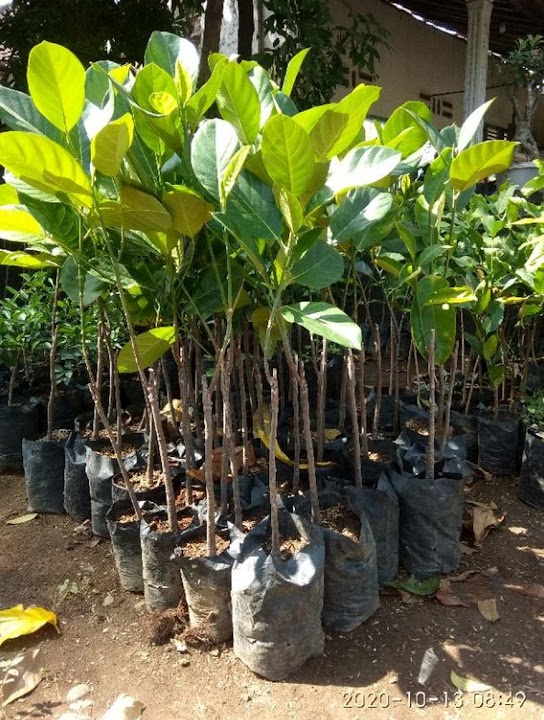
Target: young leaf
point(204, 98)
point(471, 125)
point(480, 161)
point(56, 81)
point(150, 346)
point(239, 103)
point(293, 69)
point(24, 260)
point(44, 165)
point(135, 210)
point(110, 145)
point(325, 320)
point(189, 211)
point(287, 153)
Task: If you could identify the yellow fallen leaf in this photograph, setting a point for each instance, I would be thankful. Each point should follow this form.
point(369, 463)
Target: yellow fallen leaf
point(20, 676)
point(488, 608)
point(17, 621)
point(22, 519)
point(331, 434)
point(467, 684)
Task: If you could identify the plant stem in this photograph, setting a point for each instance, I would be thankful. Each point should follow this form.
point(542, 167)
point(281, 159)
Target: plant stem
point(352, 394)
point(208, 468)
point(378, 405)
point(432, 410)
point(321, 395)
point(274, 508)
point(453, 371)
point(362, 403)
point(305, 406)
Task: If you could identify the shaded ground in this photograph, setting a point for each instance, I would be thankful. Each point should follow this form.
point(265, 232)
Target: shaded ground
point(107, 645)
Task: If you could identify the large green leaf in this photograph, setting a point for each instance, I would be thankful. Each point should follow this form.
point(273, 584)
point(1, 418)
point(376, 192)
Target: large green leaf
point(293, 69)
point(402, 132)
point(356, 105)
point(288, 155)
point(252, 207)
point(135, 210)
point(360, 209)
point(213, 146)
point(239, 103)
point(205, 96)
point(18, 112)
point(93, 287)
point(480, 161)
point(471, 124)
point(189, 211)
point(110, 145)
point(427, 317)
point(42, 164)
point(362, 166)
point(327, 132)
point(18, 225)
point(260, 80)
point(150, 346)
point(25, 260)
point(56, 81)
point(318, 267)
point(166, 49)
point(326, 321)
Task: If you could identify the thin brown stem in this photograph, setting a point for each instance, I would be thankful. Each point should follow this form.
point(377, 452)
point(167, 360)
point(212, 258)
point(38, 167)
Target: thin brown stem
point(352, 394)
point(208, 468)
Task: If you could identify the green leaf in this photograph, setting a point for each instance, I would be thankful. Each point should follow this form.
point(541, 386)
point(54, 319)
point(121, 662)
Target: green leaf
point(471, 124)
point(135, 210)
point(428, 586)
point(251, 205)
point(497, 374)
point(358, 211)
point(8, 195)
point(261, 82)
point(18, 112)
point(56, 81)
point(326, 321)
point(25, 260)
point(292, 71)
point(110, 145)
point(356, 105)
point(432, 253)
point(189, 211)
point(318, 267)
point(204, 98)
point(490, 347)
point(287, 153)
point(18, 225)
point(408, 238)
point(69, 280)
point(150, 347)
point(327, 132)
point(480, 161)
point(402, 132)
point(362, 166)
point(152, 79)
point(166, 49)
point(213, 146)
point(452, 296)
point(44, 165)
point(232, 171)
point(290, 207)
point(239, 103)
point(437, 176)
point(426, 317)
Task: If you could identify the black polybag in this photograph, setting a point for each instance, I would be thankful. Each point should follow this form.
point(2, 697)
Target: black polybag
point(162, 578)
point(381, 507)
point(498, 442)
point(17, 422)
point(531, 476)
point(77, 497)
point(126, 545)
point(43, 463)
point(277, 604)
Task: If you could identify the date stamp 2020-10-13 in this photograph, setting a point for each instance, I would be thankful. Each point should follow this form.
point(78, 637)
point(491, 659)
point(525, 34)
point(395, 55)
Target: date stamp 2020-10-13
point(356, 700)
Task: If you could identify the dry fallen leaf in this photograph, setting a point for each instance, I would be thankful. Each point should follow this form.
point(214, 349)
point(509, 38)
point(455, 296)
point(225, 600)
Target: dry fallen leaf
point(534, 590)
point(488, 608)
point(446, 597)
point(467, 684)
point(20, 676)
point(484, 517)
point(124, 707)
point(17, 621)
point(22, 519)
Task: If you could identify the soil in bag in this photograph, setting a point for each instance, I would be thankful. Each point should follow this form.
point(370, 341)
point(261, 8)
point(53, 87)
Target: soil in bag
point(207, 585)
point(277, 601)
point(77, 497)
point(531, 477)
point(43, 463)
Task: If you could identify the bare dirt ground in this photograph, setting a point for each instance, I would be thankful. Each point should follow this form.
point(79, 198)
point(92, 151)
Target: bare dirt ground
point(105, 637)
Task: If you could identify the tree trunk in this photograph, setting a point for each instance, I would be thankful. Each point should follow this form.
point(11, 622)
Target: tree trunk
point(246, 29)
point(212, 35)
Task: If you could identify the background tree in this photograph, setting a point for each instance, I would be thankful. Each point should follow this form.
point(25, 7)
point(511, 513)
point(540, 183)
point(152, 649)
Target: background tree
point(107, 29)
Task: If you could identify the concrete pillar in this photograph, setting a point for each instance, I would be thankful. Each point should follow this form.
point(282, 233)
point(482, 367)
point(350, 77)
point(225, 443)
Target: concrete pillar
point(479, 18)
